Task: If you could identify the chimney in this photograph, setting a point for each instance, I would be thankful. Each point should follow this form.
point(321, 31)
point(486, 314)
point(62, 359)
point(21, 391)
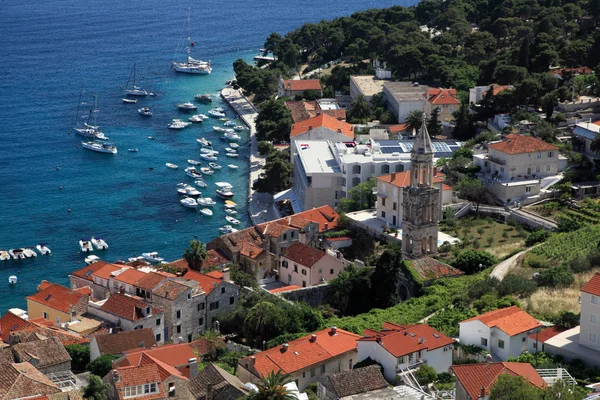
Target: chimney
point(482, 396)
point(253, 360)
point(393, 177)
point(302, 234)
point(333, 330)
point(310, 127)
point(226, 274)
point(284, 347)
point(378, 339)
point(313, 338)
point(116, 377)
point(193, 362)
point(122, 290)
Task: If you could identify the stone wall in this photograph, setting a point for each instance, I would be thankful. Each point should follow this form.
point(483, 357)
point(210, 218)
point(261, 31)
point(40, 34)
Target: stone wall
point(313, 295)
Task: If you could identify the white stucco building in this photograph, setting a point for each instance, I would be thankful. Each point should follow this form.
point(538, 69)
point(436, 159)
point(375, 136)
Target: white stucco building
point(503, 333)
point(401, 347)
point(321, 127)
point(519, 167)
point(302, 265)
point(404, 97)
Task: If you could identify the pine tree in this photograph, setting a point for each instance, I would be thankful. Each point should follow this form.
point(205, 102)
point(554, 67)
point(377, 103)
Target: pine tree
point(434, 126)
point(524, 53)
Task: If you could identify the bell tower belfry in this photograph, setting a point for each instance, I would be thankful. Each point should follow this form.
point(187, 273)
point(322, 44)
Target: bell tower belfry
point(421, 202)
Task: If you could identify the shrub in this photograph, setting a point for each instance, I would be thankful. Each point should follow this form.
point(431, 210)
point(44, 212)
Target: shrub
point(101, 365)
point(559, 276)
point(536, 237)
point(426, 375)
point(535, 261)
point(487, 286)
point(567, 320)
point(594, 259)
point(513, 284)
point(445, 377)
point(472, 261)
point(580, 264)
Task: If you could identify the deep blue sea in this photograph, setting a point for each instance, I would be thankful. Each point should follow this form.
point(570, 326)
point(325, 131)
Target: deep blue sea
point(47, 49)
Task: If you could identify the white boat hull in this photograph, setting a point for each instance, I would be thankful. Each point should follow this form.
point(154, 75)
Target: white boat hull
point(99, 148)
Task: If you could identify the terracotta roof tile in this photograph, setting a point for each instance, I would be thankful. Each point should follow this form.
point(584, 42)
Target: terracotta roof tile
point(438, 96)
point(224, 385)
point(285, 289)
point(150, 280)
point(129, 276)
point(304, 352)
point(304, 255)
point(400, 340)
point(510, 320)
point(137, 375)
point(106, 271)
point(397, 128)
point(475, 376)
point(120, 342)
point(249, 250)
point(127, 307)
point(429, 268)
point(36, 331)
point(518, 144)
point(19, 380)
point(11, 323)
point(170, 289)
point(174, 355)
point(402, 179)
point(56, 297)
point(87, 271)
point(593, 285)
point(302, 84)
point(302, 110)
point(84, 290)
point(207, 283)
point(323, 120)
point(355, 381)
point(49, 352)
point(500, 88)
point(547, 333)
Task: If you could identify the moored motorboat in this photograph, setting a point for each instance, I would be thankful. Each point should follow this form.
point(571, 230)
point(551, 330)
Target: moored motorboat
point(86, 245)
point(12, 280)
point(204, 142)
point(177, 123)
point(129, 101)
point(203, 98)
point(145, 111)
point(208, 156)
point(201, 183)
point(194, 162)
point(234, 145)
point(208, 151)
point(230, 211)
point(151, 137)
point(232, 136)
point(4, 256)
point(29, 252)
point(187, 106)
point(189, 191)
point(232, 220)
point(133, 150)
point(188, 202)
point(152, 257)
point(230, 150)
point(109, 148)
point(216, 114)
point(206, 202)
point(227, 229)
point(232, 166)
point(224, 193)
point(192, 172)
point(171, 165)
point(239, 128)
point(17, 254)
point(195, 118)
point(230, 204)
point(214, 165)
point(207, 171)
point(91, 259)
point(224, 185)
point(229, 123)
point(232, 155)
point(219, 129)
point(99, 243)
point(206, 211)
point(42, 248)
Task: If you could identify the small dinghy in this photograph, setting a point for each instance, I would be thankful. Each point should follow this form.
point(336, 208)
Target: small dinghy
point(214, 165)
point(145, 111)
point(171, 165)
point(232, 166)
point(207, 171)
point(230, 211)
point(206, 202)
point(227, 229)
point(91, 259)
point(12, 280)
point(204, 142)
point(99, 243)
point(232, 220)
point(188, 202)
point(43, 249)
point(129, 101)
point(194, 162)
point(206, 211)
point(86, 245)
point(201, 183)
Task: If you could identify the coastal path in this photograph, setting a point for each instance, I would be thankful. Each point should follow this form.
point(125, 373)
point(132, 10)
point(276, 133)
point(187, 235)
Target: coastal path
point(260, 205)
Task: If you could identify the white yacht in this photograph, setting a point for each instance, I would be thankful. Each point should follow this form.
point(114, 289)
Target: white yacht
point(239, 128)
point(188, 202)
point(207, 171)
point(201, 183)
point(17, 254)
point(195, 118)
point(205, 150)
point(204, 142)
point(229, 123)
point(42, 248)
point(191, 65)
point(134, 90)
point(234, 145)
point(83, 123)
point(192, 172)
point(214, 166)
point(187, 106)
point(145, 111)
point(12, 280)
point(86, 245)
point(189, 191)
point(223, 185)
point(129, 101)
point(219, 129)
point(177, 123)
point(206, 202)
point(232, 155)
point(171, 165)
point(227, 229)
point(230, 211)
point(208, 156)
point(194, 162)
point(206, 211)
point(232, 166)
point(100, 147)
point(99, 243)
point(225, 193)
point(232, 220)
point(232, 136)
point(152, 257)
point(216, 114)
point(203, 98)
point(29, 252)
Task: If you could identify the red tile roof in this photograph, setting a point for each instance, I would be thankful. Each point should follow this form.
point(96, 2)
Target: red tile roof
point(19, 380)
point(397, 128)
point(429, 268)
point(285, 289)
point(105, 271)
point(325, 121)
point(304, 255)
point(207, 283)
point(150, 280)
point(56, 297)
point(174, 355)
point(400, 340)
point(547, 333)
point(304, 352)
point(438, 96)
point(170, 290)
point(500, 88)
point(301, 110)
point(574, 71)
point(518, 144)
point(118, 343)
point(127, 307)
point(325, 216)
point(139, 375)
point(302, 84)
point(201, 346)
point(475, 376)
point(402, 179)
point(216, 274)
point(87, 271)
point(510, 320)
point(84, 290)
point(249, 250)
point(130, 276)
point(11, 323)
point(593, 285)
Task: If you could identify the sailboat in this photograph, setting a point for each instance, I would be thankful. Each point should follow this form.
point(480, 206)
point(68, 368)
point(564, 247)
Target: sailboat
point(191, 65)
point(93, 145)
point(134, 90)
point(81, 125)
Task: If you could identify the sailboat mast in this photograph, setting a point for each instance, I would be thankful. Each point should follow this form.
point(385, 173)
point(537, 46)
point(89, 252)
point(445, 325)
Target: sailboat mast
point(81, 93)
point(189, 36)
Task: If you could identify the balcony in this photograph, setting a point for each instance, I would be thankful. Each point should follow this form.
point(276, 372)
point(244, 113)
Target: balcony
point(496, 160)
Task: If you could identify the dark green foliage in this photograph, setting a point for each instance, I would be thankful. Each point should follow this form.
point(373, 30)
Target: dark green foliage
point(516, 285)
point(80, 356)
point(473, 190)
point(264, 147)
point(241, 277)
point(277, 175)
point(384, 279)
point(509, 387)
point(472, 261)
point(96, 389)
point(425, 375)
point(361, 197)
point(488, 285)
point(446, 320)
point(350, 291)
point(255, 81)
point(536, 237)
point(567, 320)
point(274, 121)
point(559, 276)
point(101, 365)
point(434, 126)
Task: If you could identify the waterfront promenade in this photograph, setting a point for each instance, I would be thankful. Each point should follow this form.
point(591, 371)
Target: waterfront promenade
point(260, 205)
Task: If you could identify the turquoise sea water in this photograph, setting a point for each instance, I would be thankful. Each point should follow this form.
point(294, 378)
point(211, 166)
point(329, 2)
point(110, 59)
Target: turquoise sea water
point(47, 48)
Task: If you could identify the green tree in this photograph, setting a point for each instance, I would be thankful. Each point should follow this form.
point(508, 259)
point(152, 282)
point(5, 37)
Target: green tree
point(277, 175)
point(561, 390)
point(434, 126)
point(414, 120)
point(472, 261)
point(350, 291)
point(560, 276)
point(96, 389)
point(464, 128)
point(474, 191)
point(425, 375)
point(265, 147)
point(524, 53)
point(101, 365)
point(195, 254)
point(241, 277)
point(80, 356)
point(360, 197)
point(360, 109)
point(508, 387)
point(595, 145)
point(384, 279)
point(213, 341)
point(274, 121)
point(262, 321)
point(272, 387)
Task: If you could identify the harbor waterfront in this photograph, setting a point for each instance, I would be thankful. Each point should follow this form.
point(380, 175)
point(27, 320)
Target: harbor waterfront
point(56, 192)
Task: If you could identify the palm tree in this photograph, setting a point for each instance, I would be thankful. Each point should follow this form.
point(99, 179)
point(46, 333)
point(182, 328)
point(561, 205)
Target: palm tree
point(272, 387)
point(414, 121)
point(212, 339)
point(360, 108)
point(595, 145)
point(195, 254)
point(260, 319)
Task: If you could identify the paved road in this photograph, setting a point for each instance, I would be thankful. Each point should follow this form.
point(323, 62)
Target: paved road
point(505, 266)
point(260, 205)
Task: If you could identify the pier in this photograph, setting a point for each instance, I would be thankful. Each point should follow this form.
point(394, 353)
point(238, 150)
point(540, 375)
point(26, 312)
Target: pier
point(260, 205)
